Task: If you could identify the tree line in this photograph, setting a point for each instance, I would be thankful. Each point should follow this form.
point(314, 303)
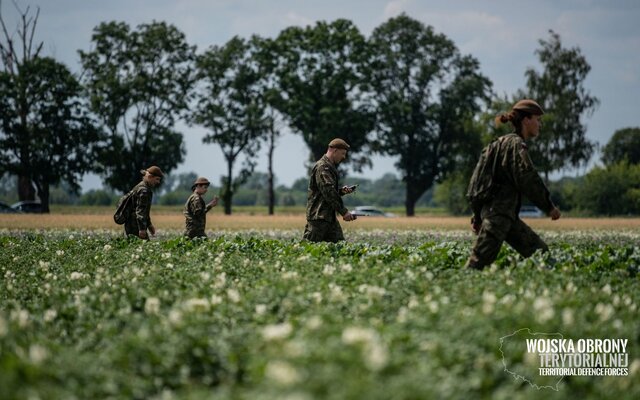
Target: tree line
point(404, 91)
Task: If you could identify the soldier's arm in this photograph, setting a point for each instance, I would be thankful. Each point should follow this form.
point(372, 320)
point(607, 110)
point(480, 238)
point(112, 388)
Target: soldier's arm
point(142, 209)
point(528, 180)
point(327, 187)
point(197, 206)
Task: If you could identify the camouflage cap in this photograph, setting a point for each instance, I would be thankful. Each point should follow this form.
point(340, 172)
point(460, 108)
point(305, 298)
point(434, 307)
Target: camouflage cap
point(200, 181)
point(529, 106)
point(338, 143)
point(153, 170)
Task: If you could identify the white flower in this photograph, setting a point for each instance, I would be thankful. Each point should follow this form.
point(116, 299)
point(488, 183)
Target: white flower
point(261, 309)
point(152, 305)
point(488, 302)
point(76, 275)
point(282, 373)
point(50, 315)
point(289, 275)
point(567, 317)
point(372, 291)
point(59, 253)
point(317, 297)
point(21, 317)
point(277, 331)
point(352, 335)
point(328, 269)
point(606, 289)
point(37, 354)
point(107, 247)
point(314, 323)
point(175, 317)
point(233, 295)
point(215, 300)
point(166, 255)
point(346, 268)
point(196, 305)
point(543, 308)
point(375, 354)
point(605, 311)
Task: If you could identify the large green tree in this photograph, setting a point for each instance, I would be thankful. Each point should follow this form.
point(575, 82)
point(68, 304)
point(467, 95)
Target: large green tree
point(17, 49)
point(321, 78)
point(427, 96)
point(54, 141)
point(231, 105)
point(46, 135)
point(139, 83)
point(560, 90)
point(624, 145)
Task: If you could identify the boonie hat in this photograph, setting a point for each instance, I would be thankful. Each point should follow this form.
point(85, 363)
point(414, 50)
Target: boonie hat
point(153, 170)
point(338, 143)
point(529, 106)
point(200, 181)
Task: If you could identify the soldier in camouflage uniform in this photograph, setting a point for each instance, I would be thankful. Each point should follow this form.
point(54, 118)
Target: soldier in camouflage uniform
point(139, 221)
point(195, 210)
point(324, 197)
point(497, 219)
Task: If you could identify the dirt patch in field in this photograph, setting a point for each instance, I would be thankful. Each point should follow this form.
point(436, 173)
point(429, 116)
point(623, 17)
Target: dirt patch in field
point(243, 222)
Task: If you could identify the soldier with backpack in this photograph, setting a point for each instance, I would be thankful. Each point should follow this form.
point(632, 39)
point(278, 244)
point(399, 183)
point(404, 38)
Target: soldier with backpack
point(134, 207)
point(503, 174)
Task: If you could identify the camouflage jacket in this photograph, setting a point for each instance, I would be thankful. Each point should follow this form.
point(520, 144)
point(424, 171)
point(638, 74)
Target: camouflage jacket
point(195, 214)
point(516, 176)
point(323, 194)
point(140, 219)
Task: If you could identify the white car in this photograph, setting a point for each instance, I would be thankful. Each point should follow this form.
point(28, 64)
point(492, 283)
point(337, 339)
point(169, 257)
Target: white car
point(370, 211)
point(530, 212)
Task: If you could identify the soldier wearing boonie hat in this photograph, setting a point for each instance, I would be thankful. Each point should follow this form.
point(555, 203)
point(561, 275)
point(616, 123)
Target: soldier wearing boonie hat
point(195, 210)
point(139, 222)
point(324, 196)
point(496, 218)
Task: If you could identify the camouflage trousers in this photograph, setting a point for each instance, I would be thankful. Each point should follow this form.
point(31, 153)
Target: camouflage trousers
point(323, 231)
point(497, 229)
point(131, 228)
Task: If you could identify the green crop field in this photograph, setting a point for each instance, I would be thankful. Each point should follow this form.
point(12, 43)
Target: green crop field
point(257, 314)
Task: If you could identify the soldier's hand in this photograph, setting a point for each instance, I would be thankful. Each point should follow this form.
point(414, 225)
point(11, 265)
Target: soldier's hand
point(349, 217)
point(554, 214)
point(143, 234)
point(214, 202)
point(476, 224)
point(152, 229)
point(346, 190)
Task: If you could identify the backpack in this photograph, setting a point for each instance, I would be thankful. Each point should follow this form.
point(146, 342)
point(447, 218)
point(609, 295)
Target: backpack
point(480, 188)
point(123, 209)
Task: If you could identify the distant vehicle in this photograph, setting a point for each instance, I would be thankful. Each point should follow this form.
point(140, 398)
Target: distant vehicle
point(6, 209)
point(530, 212)
point(369, 211)
point(28, 206)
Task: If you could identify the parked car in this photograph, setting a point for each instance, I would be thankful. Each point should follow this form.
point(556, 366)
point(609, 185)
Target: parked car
point(28, 206)
point(6, 209)
point(369, 211)
point(530, 212)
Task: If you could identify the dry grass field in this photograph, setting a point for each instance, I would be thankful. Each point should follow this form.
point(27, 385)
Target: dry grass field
point(242, 222)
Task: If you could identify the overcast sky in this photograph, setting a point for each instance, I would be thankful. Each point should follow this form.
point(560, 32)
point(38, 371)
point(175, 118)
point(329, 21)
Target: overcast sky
point(502, 35)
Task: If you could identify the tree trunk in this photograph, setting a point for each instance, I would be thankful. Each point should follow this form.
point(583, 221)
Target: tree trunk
point(227, 195)
point(43, 194)
point(410, 200)
point(26, 190)
point(272, 196)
